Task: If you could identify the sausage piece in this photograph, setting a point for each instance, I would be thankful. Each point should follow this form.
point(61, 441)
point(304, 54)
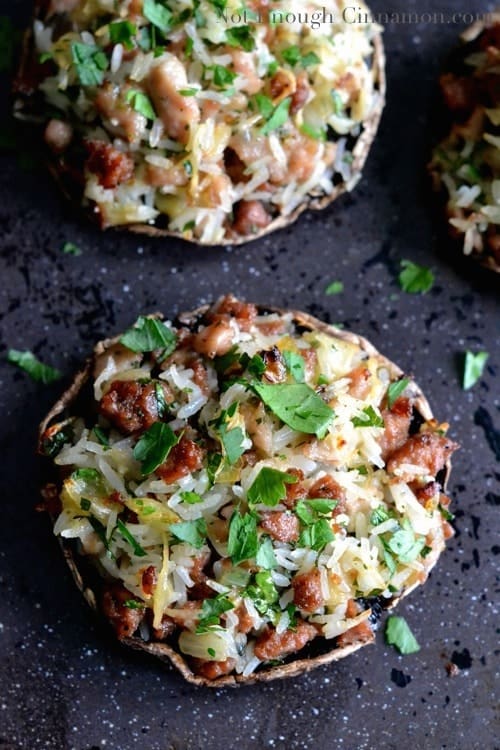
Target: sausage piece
point(273, 645)
point(183, 459)
point(282, 526)
point(427, 450)
point(131, 406)
point(124, 620)
point(111, 166)
point(397, 421)
point(307, 594)
point(249, 217)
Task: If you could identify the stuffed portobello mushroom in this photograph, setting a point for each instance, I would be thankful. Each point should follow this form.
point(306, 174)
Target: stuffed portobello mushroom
point(465, 166)
point(240, 492)
point(201, 119)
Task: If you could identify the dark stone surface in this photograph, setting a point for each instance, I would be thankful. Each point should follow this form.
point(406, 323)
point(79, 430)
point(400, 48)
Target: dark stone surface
point(64, 684)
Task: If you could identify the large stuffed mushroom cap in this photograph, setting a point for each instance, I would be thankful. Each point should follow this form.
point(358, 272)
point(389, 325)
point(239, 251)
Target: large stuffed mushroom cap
point(240, 492)
point(201, 120)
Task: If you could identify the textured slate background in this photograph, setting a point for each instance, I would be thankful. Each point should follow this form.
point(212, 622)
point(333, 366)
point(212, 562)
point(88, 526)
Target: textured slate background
point(64, 684)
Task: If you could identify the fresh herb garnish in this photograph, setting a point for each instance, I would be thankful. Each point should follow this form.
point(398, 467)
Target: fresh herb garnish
point(262, 592)
point(214, 462)
point(138, 550)
point(161, 404)
point(141, 103)
point(298, 406)
point(316, 535)
point(232, 438)
point(278, 116)
point(154, 445)
point(415, 279)
point(240, 36)
point(222, 77)
point(395, 390)
point(309, 511)
point(445, 513)
point(255, 365)
point(188, 92)
point(133, 604)
point(85, 504)
point(101, 436)
point(336, 287)
point(295, 365)
point(158, 15)
point(122, 32)
point(100, 530)
point(380, 515)
point(368, 418)
point(37, 370)
point(52, 445)
point(338, 104)
point(243, 541)
point(90, 63)
point(191, 532)
point(265, 557)
point(473, 368)
point(398, 634)
point(404, 544)
point(191, 498)
point(211, 612)
point(268, 487)
point(69, 248)
point(149, 334)
point(319, 134)
point(293, 56)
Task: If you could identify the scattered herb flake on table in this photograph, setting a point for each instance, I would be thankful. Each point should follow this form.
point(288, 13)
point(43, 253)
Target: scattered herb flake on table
point(69, 248)
point(37, 370)
point(415, 279)
point(398, 634)
point(336, 287)
point(473, 368)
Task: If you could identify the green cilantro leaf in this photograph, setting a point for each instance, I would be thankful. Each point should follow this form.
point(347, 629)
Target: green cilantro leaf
point(90, 63)
point(293, 56)
point(473, 368)
point(52, 446)
point(240, 36)
point(191, 532)
point(149, 334)
point(415, 279)
point(122, 32)
point(316, 535)
point(214, 463)
point(298, 406)
point(338, 104)
point(243, 541)
point(336, 287)
point(262, 592)
point(269, 486)
point(69, 248)
point(380, 515)
point(370, 418)
point(222, 77)
point(158, 15)
point(322, 505)
point(318, 134)
point(138, 550)
point(191, 498)
point(445, 513)
point(232, 438)
point(398, 634)
point(278, 117)
point(211, 612)
point(101, 436)
point(265, 557)
point(309, 510)
point(405, 545)
point(154, 445)
point(37, 370)
point(295, 365)
point(141, 103)
point(133, 604)
point(191, 91)
point(395, 390)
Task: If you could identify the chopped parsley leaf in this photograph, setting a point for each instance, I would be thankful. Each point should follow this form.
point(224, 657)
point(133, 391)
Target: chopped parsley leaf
point(265, 557)
point(293, 56)
point(138, 550)
point(369, 418)
point(262, 592)
point(154, 445)
point(318, 134)
point(243, 542)
point(415, 279)
point(380, 515)
point(473, 368)
point(398, 634)
point(338, 104)
point(211, 612)
point(278, 117)
point(295, 365)
point(161, 404)
point(268, 487)
point(336, 287)
point(232, 438)
point(298, 406)
point(445, 513)
point(36, 370)
point(123, 32)
point(191, 532)
point(149, 334)
point(222, 77)
point(316, 535)
point(405, 546)
point(240, 36)
point(90, 63)
point(158, 15)
point(133, 604)
point(101, 436)
point(395, 390)
point(141, 103)
point(191, 497)
point(52, 445)
point(69, 248)
point(191, 91)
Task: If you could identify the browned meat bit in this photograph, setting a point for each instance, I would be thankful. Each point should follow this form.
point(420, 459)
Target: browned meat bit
point(397, 422)
point(359, 633)
point(234, 166)
point(360, 385)
point(58, 135)
point(149, 579)
point(296, 491)
point(111, 166)
point(249, 217)
point(243, 312)
point(200, 375)
point(245, 622)
point(125, 620)
point(210, 670)
point(307, 594)
point(131, 406)
point(183, 459)
point(300, 95)
point(167, 627)
point(273, 645)
point(427, 450)
point(327, 487)
point(215, 339)
point(282, 526)
point(200, 590)
point(281, 85)
point(426, 492)
point(275, 371)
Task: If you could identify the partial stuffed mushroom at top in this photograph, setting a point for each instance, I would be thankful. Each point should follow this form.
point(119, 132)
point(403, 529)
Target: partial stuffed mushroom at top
point(201, 119)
